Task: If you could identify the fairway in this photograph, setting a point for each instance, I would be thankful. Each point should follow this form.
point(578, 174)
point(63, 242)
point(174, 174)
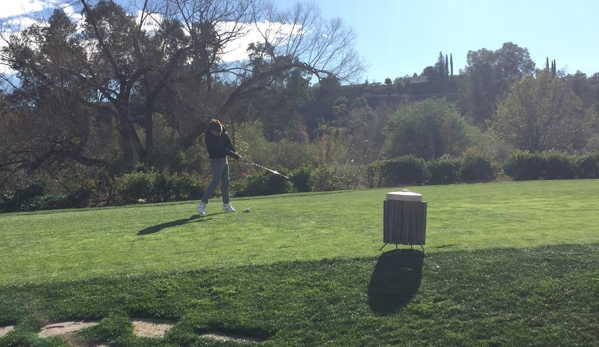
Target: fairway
point(74, 244)
point(506, 261)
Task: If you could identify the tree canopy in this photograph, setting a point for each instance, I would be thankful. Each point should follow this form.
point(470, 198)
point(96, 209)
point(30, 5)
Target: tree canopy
point(114, 89)
point(172, 58)
point(542, 113)
point(427, 129)
point(489, 75)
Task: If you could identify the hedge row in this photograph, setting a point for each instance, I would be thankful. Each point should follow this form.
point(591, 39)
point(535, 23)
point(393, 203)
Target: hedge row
point(37, 196)
point(523, 165)
point(163, 186)
point(133, 187)
point(520, 165)
point(408, 170)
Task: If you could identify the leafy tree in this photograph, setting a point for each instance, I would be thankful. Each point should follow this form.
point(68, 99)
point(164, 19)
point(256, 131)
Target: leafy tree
point(340, 110)
point(427, 129)
point(432, 74)
point(46, 125)
point(171, 59)
point(583, 88)
point(511, 63)
point(542, 113)
point(277, 107)
point(365, 126)
point(489, 75)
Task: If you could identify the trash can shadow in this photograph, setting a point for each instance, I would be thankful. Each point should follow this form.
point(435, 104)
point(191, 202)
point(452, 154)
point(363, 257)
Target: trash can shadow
point(395, 280)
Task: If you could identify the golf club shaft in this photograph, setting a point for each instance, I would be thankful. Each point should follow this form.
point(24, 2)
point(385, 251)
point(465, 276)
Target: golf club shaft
point(267, 169)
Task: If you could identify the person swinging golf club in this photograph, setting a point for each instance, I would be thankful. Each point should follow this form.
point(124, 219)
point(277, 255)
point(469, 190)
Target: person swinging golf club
point(219, 146)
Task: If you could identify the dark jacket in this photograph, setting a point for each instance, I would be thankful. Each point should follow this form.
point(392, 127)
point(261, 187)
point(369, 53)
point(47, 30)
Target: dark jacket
point(219, 146)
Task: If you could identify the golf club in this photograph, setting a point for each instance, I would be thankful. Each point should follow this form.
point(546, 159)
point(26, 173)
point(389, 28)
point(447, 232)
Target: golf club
point(267, 169)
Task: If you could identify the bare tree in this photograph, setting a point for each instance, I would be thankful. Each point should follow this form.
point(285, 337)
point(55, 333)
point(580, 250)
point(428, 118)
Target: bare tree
point(173, 56)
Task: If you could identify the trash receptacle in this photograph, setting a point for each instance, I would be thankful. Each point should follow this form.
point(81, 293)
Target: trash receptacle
point(404, 218)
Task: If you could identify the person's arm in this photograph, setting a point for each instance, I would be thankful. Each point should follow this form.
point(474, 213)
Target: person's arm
point(230, 150)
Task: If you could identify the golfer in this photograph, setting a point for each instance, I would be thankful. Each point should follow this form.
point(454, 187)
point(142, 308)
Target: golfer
point(219, 146)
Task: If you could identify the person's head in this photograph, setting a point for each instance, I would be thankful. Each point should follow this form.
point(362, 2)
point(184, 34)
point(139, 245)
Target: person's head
point(215, 127)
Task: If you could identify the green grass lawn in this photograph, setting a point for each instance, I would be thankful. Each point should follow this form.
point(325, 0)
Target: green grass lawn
point(506, 264)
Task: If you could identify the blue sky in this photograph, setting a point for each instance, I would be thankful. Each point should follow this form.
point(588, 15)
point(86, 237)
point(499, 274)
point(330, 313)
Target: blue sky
point(401, 37)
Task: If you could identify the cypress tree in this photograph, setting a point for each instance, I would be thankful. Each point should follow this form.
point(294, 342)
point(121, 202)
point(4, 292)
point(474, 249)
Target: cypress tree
point(451, 64)
point(547, 64)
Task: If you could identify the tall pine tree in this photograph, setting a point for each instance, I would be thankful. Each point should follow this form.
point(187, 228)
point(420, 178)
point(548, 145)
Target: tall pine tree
point(451, 64)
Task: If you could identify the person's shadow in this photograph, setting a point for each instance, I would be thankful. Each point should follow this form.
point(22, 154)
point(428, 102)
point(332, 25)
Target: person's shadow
point(159, 227)
point(395, 280)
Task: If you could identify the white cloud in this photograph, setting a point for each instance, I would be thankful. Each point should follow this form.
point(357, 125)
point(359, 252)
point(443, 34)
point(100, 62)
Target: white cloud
point(151, 22)
point(276, 33)
point(14, 8)
point(20, 14)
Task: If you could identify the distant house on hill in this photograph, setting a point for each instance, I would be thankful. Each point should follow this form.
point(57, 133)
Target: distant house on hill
point(419, 79)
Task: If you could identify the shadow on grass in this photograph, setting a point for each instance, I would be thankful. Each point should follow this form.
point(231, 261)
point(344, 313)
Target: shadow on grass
point(395, 280)
point(159, 227)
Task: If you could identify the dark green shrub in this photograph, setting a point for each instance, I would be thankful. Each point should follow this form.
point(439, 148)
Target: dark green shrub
point(443, 171)
point(80, 195)
point(37, 197)
point(325, 180)
point(341, 177)
point(266, 183)
point(24, 199)
point(44, 202)
point(136, 185)
point(164, 187)
point(188, 187)
point(77, 198)
point(401, 171)
point(587, 166)
point(557, 166)
point(476, 168)
point(158, 187)
point(371, 173)
point(303, 179)
point(523, 165)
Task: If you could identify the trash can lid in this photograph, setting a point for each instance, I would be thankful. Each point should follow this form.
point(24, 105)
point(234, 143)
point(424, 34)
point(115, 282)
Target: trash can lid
point(404, 196)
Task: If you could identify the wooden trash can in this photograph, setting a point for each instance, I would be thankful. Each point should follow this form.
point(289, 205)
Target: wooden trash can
point(404, 219)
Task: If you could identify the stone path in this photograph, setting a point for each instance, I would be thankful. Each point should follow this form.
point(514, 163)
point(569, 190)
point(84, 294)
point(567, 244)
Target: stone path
point(141, 327)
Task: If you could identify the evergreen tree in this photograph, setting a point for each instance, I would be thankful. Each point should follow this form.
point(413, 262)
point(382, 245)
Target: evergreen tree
point(451, 64)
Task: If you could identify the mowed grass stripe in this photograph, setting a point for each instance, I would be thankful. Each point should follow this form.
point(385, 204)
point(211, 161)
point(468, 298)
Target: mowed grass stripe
point(77, 244)
point(539, 296)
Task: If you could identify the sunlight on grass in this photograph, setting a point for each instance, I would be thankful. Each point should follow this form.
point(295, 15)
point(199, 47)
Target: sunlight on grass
point(506, 264)
point(53, 245)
